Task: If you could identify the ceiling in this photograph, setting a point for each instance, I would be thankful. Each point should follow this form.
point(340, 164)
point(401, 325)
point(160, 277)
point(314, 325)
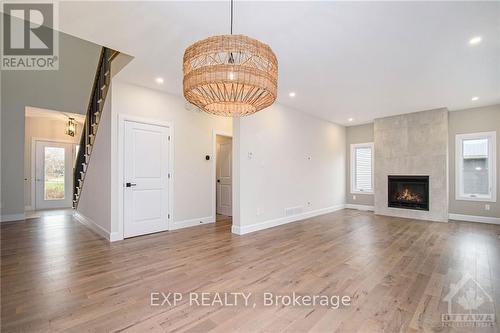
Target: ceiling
point(52, 114)
point(360, 60)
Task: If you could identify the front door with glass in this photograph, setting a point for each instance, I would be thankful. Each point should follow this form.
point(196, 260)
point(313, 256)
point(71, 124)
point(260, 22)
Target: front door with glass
point(53, 175)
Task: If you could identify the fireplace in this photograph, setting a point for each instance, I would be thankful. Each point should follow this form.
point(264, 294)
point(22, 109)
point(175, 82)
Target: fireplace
point(409, 192)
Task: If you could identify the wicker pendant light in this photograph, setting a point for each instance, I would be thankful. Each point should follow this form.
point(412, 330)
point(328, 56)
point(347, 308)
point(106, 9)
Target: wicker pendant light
point(230, 75)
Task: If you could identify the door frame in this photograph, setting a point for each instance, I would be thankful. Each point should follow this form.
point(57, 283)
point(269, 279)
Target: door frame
point(214, 169)
point(32, 205)
point(122, 118)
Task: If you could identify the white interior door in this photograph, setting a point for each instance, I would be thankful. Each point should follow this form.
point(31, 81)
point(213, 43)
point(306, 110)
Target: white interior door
point(53, 175)
point(224, 174)
point(146, 172)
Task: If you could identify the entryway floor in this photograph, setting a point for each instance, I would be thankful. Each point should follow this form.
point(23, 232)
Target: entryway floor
point(48, 212)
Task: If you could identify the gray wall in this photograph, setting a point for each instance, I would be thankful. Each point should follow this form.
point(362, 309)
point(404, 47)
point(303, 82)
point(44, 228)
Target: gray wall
point(484, 119)
point(357, 134)
point(65, 89)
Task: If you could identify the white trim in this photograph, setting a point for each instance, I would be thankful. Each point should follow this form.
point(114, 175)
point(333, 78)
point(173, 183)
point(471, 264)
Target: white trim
point(28, 208)
point(92, 225)
point(120, 141)
point(214, 168)
point(353, 166)
point(12, 217)
point(360, 207)
point(114, 237)
point(407, 215)
point(241, 230)
point(191, 223)
point(491, 136)
point(472, 218)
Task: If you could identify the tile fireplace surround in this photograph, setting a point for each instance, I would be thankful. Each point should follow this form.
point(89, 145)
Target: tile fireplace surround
point(413, 144)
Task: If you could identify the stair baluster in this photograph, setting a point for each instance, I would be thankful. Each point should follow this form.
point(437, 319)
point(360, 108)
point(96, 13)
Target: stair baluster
point(98, 94)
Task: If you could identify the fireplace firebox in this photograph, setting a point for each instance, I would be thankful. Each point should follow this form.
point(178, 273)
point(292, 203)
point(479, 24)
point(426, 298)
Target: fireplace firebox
point(409, 192)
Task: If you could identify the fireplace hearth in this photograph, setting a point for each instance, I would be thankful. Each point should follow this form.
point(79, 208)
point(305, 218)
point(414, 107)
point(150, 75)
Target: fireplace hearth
point(409, 192)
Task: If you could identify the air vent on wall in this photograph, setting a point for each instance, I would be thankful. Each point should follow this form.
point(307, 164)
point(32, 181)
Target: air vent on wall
point(293, 210)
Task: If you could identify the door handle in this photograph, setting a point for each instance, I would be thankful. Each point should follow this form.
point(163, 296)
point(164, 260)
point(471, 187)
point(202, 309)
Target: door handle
point(130, 184)
point(218, 180)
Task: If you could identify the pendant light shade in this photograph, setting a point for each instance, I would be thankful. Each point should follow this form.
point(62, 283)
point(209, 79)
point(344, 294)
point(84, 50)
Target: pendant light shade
point(230, 75)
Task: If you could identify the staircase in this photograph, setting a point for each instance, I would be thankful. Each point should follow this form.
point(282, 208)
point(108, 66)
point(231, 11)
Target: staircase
point(94, 111)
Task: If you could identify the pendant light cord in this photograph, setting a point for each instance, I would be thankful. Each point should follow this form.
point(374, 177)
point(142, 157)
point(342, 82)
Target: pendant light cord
point(231, 17)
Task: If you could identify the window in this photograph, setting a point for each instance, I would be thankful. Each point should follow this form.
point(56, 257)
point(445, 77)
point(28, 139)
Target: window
point(362, 168)
point(475, 163)
point(54, 168)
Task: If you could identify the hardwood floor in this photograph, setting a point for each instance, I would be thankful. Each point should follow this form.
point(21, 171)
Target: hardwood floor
point(56, 275)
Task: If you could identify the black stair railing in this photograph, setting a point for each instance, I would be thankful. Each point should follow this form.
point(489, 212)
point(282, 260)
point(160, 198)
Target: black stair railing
point(98, 94)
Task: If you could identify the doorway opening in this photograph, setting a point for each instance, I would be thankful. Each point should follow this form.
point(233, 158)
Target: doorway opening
point(49, 157)
point(223, 178)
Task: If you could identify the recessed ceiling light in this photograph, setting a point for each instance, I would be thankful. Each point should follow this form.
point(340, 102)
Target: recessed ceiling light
point(292, 94)
point(475, 98)
point(159, 80)
point(475, 40)
point(350, 119)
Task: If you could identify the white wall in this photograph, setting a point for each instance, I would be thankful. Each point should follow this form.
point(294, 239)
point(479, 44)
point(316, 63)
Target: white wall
point(95, 198)
point(194, 187)
point(285, 158)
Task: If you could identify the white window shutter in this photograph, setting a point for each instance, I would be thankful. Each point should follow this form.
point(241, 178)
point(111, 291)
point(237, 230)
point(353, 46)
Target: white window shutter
point(363, 171)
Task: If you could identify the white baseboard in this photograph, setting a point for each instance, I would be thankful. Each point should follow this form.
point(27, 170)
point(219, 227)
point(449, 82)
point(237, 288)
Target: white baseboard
point(91, 224)
point(28, 208)
point(12, 217)
point(191, 223)
point(472, 218)
point(360, 207)
point(241, 230)
point(115, 236)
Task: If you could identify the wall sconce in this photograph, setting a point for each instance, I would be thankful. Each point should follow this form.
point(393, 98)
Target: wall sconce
point(71, 127)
